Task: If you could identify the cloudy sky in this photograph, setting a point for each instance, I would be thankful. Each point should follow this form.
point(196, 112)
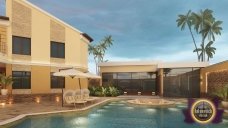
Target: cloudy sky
point(141, 29)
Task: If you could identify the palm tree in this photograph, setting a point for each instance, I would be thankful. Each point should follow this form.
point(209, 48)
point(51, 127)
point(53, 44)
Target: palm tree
point(211, 28)
point(184, 20)
point(98, 51)
point(210, 50)
point(199, 21)
point(5, 80)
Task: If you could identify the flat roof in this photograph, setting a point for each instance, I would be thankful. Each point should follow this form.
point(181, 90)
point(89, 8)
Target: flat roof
point(159, 64)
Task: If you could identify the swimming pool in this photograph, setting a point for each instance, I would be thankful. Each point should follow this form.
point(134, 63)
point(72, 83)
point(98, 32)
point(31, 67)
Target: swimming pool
point(116, 114)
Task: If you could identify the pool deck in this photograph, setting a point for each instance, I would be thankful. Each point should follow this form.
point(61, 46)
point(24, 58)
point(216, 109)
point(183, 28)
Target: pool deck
point(13, 112)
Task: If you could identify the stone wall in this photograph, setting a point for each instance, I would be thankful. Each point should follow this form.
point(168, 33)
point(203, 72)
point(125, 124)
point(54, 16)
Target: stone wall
point(3, 46)
point(57, 32)
point(21, 20)
point(216, 80)
point(36, 98)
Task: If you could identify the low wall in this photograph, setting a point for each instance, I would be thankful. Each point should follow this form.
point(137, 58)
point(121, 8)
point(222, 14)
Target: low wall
point(213, 76)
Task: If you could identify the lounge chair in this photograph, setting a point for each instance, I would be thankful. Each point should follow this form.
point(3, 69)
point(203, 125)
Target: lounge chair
point(70, 100)
point(69, 97)
point(85, 96)
point(78, 97)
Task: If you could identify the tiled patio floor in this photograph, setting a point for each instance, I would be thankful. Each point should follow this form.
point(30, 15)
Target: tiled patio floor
point(12, 110)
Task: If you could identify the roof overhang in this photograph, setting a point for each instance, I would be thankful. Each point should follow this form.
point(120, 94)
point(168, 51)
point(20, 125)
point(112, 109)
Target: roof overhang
point(4, 21)
point(90, 39)
point(159, 64)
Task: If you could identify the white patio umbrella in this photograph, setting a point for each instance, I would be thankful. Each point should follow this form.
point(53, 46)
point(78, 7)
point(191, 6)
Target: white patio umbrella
point(73, 73)
point(92, 76)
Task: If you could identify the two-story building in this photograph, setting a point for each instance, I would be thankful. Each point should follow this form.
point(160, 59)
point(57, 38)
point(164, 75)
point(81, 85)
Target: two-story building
point(34, 44)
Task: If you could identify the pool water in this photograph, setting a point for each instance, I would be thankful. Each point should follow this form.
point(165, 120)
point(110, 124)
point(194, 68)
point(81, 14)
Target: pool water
point(117, 114)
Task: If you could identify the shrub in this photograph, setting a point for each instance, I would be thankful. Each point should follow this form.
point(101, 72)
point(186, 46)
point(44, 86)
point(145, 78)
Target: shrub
point(104, 91)
point(222, 93)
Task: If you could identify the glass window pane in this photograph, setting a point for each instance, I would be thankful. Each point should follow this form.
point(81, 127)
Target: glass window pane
point(124, 75)
point(21, 81)
point(144, 75)
point(61, 50)
point(26, 46)
point(16, 45)
point(54, 49)
point(135, 76)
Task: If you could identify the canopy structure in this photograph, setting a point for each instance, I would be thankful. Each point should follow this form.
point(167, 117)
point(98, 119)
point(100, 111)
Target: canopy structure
point(74, 73)
point(70, 73)
point(92, 76)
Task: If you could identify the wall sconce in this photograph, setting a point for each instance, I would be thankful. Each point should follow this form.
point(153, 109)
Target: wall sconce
point(3, 104)
point(38, 100)
point(57, 99)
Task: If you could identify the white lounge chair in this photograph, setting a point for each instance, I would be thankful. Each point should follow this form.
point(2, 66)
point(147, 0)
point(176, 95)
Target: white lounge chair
point(78, 99)
point(86, 96)
point(70, 100)
point(69, 97)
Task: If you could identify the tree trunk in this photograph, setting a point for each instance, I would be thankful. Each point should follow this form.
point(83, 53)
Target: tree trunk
point(197, 52)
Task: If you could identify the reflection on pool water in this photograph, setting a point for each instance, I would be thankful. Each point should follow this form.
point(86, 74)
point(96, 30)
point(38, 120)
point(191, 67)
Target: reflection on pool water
point(117, 114)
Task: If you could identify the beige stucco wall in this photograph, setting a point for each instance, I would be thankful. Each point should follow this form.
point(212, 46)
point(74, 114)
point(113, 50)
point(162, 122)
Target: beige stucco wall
point(205, 71)
point(127, 68)
point(40, 79)
point(74, 83)
point(40, 37)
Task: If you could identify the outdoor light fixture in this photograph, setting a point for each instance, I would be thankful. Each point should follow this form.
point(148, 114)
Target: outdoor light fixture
point(38, 100)
point(139, 93)
point(3, 104)
point(57, 99)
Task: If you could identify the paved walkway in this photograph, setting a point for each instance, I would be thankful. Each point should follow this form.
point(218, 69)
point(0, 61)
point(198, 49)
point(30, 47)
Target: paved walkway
point(12, 110)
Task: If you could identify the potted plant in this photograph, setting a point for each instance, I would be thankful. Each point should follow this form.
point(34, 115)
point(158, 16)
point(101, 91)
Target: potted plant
point(5, 81)
point(223, 94)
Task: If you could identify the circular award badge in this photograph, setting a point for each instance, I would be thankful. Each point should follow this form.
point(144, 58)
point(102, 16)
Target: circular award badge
point(203, 111)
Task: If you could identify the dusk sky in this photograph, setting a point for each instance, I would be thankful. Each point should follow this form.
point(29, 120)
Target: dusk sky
point(141, 29)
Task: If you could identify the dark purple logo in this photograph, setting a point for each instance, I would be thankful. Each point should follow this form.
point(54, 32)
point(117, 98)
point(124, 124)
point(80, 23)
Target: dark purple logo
point(203, 111)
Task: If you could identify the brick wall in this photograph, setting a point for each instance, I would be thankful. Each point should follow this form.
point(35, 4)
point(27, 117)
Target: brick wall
point(57, 32)
point(21, 20)
point(3, 46)
point(216, 80)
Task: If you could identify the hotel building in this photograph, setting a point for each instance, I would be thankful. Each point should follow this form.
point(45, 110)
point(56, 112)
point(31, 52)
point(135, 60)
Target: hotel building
point(34, 44)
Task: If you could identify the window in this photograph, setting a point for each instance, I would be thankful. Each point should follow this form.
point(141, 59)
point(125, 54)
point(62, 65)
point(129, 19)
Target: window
point(22, 80)
point(57, 82)
point(21, 45)
point(57, 49)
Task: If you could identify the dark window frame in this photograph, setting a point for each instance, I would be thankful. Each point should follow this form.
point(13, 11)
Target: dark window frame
point(60, 47)
point(22, 76)
point(58, 81)
point(21, 50)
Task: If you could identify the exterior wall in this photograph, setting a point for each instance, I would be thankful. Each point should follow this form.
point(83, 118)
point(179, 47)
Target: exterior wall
point(29, 21)
point(40, 79)
point(40, 48)
point(3, 39)
point(128, 69)
point(205, 71)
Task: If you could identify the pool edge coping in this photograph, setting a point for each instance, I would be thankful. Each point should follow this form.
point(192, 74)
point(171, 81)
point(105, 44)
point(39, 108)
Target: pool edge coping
point(21, 116)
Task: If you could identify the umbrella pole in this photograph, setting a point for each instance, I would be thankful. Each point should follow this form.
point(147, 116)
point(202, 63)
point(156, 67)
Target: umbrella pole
point(62, 97)
point(80, 85)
